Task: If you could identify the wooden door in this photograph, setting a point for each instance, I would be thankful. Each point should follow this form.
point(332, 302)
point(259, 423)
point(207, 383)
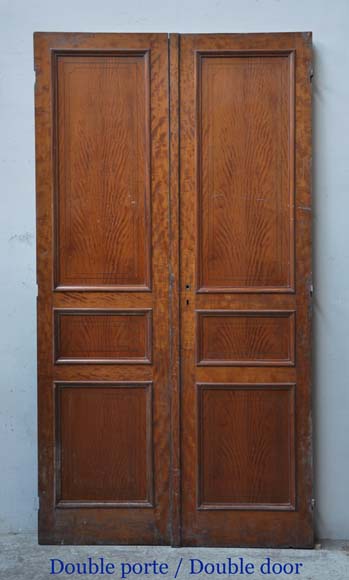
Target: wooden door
point(128, 453)
point(102, 145)
point(245, 266)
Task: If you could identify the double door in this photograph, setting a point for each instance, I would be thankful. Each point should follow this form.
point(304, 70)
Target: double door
point(174, 288)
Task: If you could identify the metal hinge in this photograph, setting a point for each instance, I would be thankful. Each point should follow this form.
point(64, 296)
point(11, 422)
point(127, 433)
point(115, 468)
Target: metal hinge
point(311, 73)
point(313, 503)
point(37, 503)
point(311, 290)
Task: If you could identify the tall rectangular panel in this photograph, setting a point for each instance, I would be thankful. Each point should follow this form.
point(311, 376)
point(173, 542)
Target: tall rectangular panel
point(104, 444)
point(246, 447)
point(245, 171)
point(102, 170)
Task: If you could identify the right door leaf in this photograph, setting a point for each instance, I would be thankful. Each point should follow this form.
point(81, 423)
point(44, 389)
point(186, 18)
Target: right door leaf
point(245, 143)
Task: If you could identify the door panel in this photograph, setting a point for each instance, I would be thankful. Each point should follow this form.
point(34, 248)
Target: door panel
point(241, 464)
point(102, 113)
point(101, 336)
point(104, 445)
point(245, 171)
point(102, 142)
point(238, 337)
point(245, 142)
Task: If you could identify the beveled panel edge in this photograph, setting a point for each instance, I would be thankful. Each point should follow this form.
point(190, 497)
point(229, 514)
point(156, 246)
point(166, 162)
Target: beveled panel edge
point(244, 52)
point(225, 506)
point(75, 504)
point(55, 53)
point(67, 504)
point(205, 506)
point(272, 313)
point(291, 54)
point(148, 312)
point(102, 288)
point(246, 290)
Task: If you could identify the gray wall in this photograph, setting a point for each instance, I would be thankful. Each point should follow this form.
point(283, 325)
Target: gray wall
point(330, 25)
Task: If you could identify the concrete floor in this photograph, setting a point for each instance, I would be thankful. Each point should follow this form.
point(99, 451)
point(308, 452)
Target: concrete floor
point(21, 558)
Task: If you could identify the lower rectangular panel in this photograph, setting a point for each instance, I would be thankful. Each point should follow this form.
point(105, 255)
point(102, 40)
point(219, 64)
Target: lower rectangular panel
point(246, 447)
point(240, 459)
point(104, 445)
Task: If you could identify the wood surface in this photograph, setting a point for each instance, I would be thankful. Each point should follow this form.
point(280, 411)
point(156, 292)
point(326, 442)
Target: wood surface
point(104, 436)
point(174, 288)
point(102, 336)
point(102, 147)
point(175, 382)
point(245, 337)
point(245, 235)
point(252, 464)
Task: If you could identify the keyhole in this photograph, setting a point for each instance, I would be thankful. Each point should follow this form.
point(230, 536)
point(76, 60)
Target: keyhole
point(187, 287)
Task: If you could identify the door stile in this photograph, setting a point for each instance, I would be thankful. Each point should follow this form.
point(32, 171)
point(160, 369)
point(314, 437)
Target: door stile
point(175, 494)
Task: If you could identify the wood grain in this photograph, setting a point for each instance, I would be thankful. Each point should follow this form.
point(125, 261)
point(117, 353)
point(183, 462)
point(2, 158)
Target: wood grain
point(102, 180)
point(102, 170)
point(104, 445)
point(174, 42)
point(245, 245)
point(246, 447)
point(245, 171)
point(103, 336)
point(245, 337)
point(174, 176)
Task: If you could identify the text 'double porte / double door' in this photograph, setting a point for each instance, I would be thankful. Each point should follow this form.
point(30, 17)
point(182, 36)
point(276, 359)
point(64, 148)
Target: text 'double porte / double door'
point(174, 288)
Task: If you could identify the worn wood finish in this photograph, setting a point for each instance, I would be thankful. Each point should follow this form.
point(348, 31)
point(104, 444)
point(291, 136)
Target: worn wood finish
point(102, 336)
point(245, 171)
point(101, 112)
point(253, 466)
point(245, 337)
point(102, 146)
point(174, 275)
point(245, 222)
point(175, 291)
point(107, 460)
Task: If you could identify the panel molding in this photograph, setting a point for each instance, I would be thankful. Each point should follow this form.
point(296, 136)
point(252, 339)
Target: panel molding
point(141, 312)
point(60, 503)
point(235, 313)
point(242, 506)
point(201, 287)
point(57, 285)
